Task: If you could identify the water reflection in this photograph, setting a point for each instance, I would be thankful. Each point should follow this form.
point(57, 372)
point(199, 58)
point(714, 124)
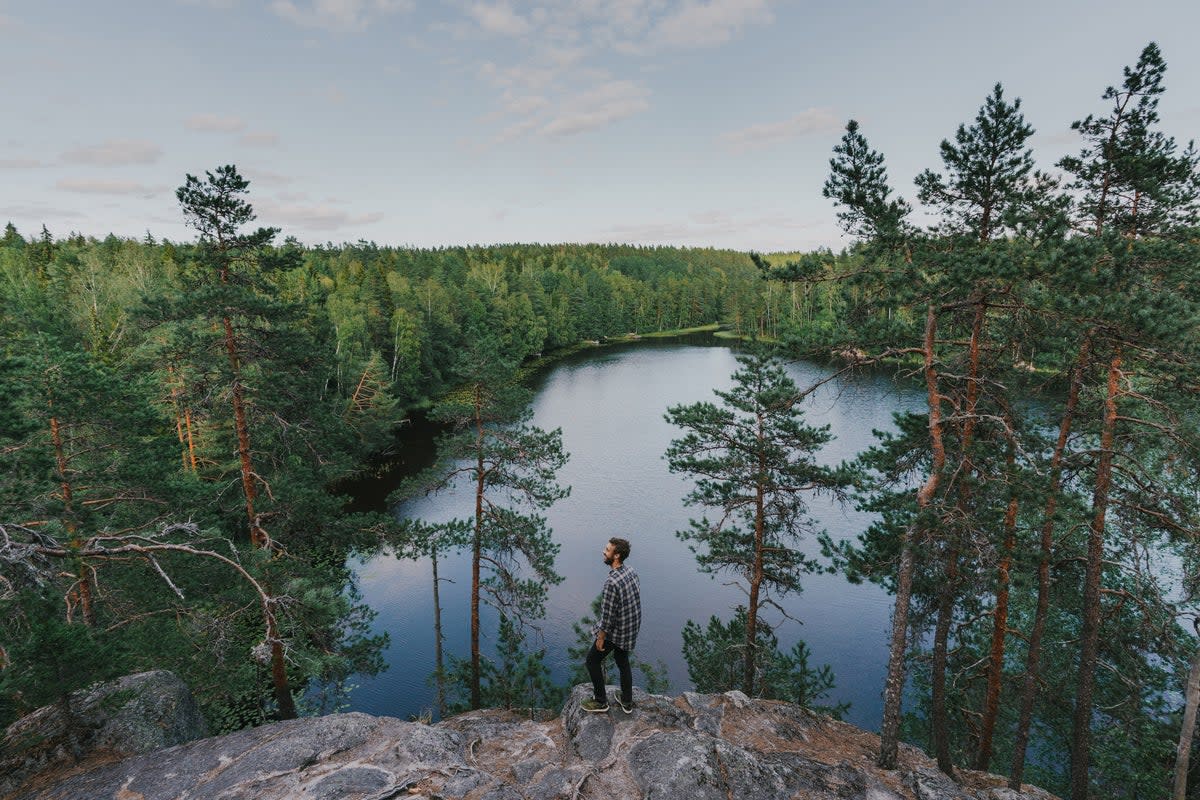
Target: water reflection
point(610, 406)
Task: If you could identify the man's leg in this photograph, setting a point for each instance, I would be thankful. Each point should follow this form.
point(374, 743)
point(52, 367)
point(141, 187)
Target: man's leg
point(596, 671)
point(622, 659)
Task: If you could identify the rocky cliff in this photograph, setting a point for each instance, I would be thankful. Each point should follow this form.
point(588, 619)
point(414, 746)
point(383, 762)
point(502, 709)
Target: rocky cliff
point(693, 747)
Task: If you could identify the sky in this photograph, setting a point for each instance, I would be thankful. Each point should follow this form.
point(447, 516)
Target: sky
point(414, 123)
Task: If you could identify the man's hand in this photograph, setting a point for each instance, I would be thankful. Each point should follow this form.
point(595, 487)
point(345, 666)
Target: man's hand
point(600, 642)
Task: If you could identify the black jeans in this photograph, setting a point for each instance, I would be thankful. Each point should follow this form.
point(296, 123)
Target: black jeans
point(594, 668)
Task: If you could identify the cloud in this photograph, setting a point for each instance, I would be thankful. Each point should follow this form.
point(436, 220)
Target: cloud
point(811, 120)
point(338, 15)
point(603, 105)
point(115, 152)
point(260, 139)
point(312, 217)
point(523, 75)
point(330, 94)
point(702, 24)
point(93, 186)
point(553, 83)
point(499, 19)
point(39, 212)
point(517, 129)
point(262, 177)
point(524, 104)
point(214, 123)
point(22, 163)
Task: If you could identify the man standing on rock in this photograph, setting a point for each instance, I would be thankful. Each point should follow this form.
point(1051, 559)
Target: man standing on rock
point(617, 629)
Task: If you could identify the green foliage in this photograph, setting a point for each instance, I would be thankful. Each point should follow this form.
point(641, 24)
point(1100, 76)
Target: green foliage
point(53, 657)
point(511, 468)
point(986, 187)
point(517, 679)
point(715, 655)
point(1031, 317)
point(753, 462)
point(858, 185)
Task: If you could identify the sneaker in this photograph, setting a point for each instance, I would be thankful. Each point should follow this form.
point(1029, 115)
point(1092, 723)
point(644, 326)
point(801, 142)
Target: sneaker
point(594, 706)
point(626, 707)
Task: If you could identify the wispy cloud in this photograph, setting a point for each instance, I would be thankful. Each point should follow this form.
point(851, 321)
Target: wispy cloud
point(339, 15)
point(264, 177)
point(703, 24)
point(553, 84)
point(260, 139)
point(215, 123)
point(499, 18)
point(95, 186)
point(114, 153)
point(597, 107)
point(811, 120)
point(312, 217)
point(39, 212)
point(22, 163)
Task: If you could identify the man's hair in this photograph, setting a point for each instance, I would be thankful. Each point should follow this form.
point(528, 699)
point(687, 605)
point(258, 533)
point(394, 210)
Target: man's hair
point(622, 546)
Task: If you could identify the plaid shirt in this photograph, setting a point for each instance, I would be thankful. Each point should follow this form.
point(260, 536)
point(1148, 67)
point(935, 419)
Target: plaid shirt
point(620, 608)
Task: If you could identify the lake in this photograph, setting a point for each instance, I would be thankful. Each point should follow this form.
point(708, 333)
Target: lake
point(610, 403)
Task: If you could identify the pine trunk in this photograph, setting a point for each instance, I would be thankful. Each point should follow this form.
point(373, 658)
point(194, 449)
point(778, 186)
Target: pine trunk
point(941, 637)
point(439, 673)
point(477, 553)
point(258, 536)
point(191, 444)
point(1033, 657)
point(1090, 638)
point(991, 700)
point(178, 409)
point(756, 578)
point(83, 584)
point(1187, 730)
point(947, 594)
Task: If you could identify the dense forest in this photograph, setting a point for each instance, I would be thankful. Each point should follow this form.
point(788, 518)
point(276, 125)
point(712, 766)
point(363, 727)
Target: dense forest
point(177, 421)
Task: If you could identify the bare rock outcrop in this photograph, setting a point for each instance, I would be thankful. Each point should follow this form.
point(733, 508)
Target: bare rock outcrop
point(110, 721)
point(694, 747)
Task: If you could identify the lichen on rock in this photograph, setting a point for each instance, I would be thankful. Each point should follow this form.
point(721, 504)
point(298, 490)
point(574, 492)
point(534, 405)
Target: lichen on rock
point(693, 747)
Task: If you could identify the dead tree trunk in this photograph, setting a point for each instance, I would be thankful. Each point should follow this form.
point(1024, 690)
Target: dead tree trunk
point(477, 552)
point(889, 733)
point(947, 593)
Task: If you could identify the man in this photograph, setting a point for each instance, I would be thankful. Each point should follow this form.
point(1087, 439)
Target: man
point(617, 629)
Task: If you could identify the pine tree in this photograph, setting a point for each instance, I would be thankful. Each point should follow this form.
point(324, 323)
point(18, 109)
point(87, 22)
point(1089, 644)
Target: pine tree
point(1134, 193)
point(714, 660)
point(753, 462)
point(511, 467)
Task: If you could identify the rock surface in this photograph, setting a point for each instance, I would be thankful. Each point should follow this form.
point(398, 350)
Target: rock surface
point(130, 715)
point(694, 747)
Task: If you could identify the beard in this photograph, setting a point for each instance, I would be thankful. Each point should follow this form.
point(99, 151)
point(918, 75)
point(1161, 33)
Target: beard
point(608, 561)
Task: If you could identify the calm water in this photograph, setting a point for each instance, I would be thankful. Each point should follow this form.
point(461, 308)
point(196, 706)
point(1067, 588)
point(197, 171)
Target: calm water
point(610, 405)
